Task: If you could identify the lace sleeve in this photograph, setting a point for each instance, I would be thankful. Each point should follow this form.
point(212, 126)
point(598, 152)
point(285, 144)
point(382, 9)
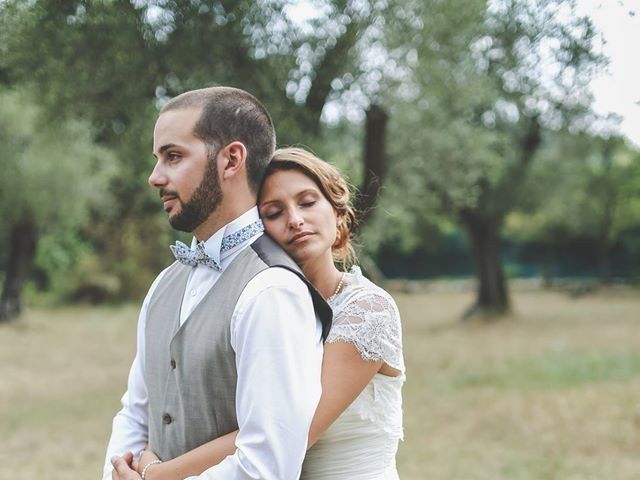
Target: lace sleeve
point(370, 321)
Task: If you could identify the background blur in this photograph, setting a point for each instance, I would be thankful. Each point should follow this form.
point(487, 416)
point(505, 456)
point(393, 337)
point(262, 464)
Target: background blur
point(499, 204)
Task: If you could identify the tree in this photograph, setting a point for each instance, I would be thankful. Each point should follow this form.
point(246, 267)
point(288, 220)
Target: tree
point(109, 62)
point(52, 174)
point(113, 64)
point(486, 82)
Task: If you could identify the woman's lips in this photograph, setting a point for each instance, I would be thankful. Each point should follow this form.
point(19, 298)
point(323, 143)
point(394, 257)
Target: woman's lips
point(299, 238)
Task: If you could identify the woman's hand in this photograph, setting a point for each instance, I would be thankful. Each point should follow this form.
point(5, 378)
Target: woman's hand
point(146, 457)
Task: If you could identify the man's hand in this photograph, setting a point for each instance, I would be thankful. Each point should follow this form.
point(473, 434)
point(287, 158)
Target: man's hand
point(122, 468)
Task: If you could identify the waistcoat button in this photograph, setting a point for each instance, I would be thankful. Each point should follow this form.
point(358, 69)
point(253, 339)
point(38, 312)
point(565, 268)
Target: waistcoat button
point(173, 363)
point(166, 419)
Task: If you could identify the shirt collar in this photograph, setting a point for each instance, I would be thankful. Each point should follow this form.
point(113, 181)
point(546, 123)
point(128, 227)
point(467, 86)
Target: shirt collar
point(235, 235)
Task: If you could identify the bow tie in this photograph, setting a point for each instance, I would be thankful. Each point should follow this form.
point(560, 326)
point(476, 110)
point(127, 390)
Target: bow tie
point(199, 256)
point(193, 257)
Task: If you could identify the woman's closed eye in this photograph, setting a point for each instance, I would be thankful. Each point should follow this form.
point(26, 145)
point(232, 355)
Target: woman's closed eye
point(308, 199)
point(271, 214)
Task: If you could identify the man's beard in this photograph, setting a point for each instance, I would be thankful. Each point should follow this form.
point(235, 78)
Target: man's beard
point(204, 201)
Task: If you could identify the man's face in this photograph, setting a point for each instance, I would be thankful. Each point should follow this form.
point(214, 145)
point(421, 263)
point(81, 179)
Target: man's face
point(185, 172)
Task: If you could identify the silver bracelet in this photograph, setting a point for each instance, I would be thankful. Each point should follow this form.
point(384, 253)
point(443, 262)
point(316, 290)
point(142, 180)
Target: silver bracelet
point(144, 470)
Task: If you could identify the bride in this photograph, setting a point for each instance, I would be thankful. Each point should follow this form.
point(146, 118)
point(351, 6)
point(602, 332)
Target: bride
point(304, 204)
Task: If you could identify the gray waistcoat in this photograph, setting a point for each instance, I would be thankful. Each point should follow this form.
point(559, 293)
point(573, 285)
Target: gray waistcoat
point(190, 370)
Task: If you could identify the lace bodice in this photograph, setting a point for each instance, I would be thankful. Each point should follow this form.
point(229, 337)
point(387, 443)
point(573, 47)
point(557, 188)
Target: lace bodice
point(366, 316)
point(362, 442)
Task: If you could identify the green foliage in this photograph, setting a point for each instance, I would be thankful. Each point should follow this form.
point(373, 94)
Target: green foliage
point(114, 63)
point(581, 185)
point(59, 251)
point(54, 173)
point(53, 170)
point(480, 89)
point(468, 86)
point(110, 61)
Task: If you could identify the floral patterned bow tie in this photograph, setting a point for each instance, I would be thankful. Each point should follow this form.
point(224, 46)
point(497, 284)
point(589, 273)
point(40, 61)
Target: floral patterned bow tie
point(199, 256)
point(193, 257)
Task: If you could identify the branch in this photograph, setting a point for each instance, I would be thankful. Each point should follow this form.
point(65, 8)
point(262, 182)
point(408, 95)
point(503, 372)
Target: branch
point(332, 66)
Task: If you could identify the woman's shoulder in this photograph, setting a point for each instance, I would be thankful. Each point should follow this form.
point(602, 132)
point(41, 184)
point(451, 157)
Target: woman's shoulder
point(366, 316)
point(361, 300)
point(359, 289)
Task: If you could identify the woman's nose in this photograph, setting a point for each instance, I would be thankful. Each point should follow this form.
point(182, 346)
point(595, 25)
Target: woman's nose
point(295, 220)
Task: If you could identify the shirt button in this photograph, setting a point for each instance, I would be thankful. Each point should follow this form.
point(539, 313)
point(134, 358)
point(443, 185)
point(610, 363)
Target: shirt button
point(166, 419)
point(173, 363)
point(193, 293)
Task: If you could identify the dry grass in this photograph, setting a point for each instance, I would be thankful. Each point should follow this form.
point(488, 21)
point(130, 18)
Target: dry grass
point(551, 394)
point(62, 373)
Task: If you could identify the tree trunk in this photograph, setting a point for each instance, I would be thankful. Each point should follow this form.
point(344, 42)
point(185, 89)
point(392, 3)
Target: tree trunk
point(604, 263)
point(334, 64)
point(22, 248)
point(374, 159)
point(492, 295)
point(548, 262)
point(605, 227)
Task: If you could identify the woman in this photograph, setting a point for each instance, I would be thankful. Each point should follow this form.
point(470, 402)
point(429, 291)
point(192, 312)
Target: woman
point(304, 204)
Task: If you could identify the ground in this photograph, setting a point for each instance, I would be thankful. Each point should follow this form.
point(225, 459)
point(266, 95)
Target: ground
point(551, 393)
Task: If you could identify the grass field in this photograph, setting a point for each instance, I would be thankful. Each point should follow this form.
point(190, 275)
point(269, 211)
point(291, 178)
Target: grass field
point(552, 393)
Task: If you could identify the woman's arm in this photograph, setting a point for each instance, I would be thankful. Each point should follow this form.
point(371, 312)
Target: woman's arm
point(344, 375)
point(194, 462)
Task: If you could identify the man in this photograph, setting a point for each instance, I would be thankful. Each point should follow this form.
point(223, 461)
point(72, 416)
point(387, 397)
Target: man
point(227, 335)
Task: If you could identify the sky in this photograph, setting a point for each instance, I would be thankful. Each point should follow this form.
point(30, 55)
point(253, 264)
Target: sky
point(616, 90)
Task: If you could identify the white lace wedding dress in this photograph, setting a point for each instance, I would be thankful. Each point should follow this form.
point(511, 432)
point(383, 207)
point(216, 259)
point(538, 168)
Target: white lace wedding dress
point(362, 443)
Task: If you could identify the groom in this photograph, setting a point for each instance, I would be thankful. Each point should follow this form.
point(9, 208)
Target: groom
point(230, 335)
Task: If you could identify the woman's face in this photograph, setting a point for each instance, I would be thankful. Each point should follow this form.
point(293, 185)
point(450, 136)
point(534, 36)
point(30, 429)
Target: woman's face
point(298, 216)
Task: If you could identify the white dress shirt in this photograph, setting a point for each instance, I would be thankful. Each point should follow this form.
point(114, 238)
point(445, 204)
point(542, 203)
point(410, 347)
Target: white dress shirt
point(278, 347)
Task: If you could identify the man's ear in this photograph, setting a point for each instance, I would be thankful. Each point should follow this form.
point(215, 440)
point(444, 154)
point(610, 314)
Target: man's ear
point(233, 158)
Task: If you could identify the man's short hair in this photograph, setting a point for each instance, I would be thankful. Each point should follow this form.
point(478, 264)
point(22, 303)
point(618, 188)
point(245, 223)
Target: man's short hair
point(228, 115)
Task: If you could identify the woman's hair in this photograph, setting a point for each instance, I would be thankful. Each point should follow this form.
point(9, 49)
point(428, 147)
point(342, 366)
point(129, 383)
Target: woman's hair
point(334, 188)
